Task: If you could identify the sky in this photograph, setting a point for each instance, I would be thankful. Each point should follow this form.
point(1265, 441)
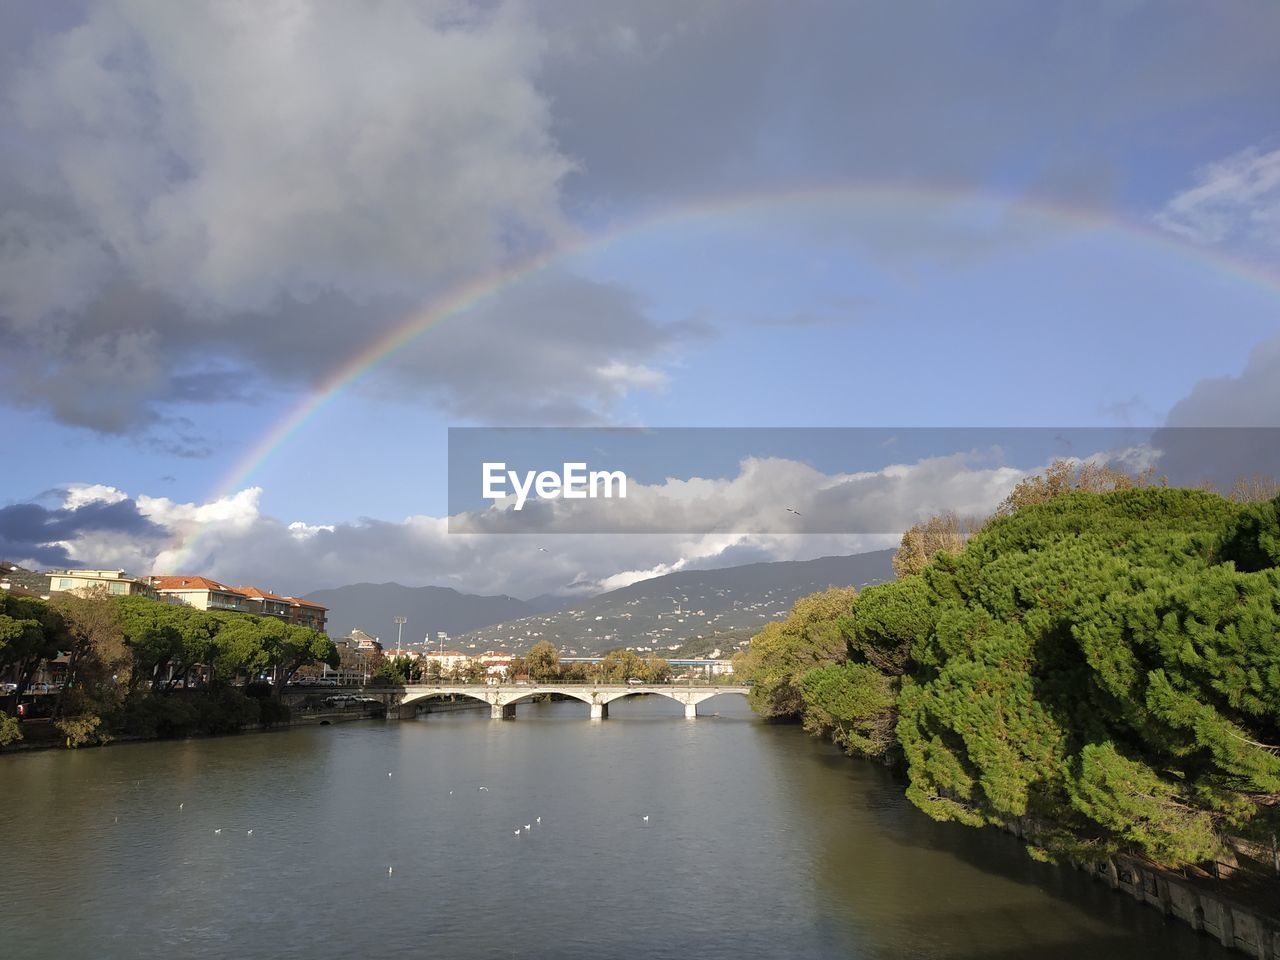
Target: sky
point(603, 214)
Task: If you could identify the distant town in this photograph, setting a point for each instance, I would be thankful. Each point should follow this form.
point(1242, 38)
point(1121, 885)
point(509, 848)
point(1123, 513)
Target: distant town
point(360, 654)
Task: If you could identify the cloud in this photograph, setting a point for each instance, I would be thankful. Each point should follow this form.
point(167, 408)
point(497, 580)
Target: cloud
point(760, 498)
point(94, 520)
point(211, 202)
point(1236, 201)
point(230, 539)
point(1227, 427)
point(230, 155)
point(753, 97)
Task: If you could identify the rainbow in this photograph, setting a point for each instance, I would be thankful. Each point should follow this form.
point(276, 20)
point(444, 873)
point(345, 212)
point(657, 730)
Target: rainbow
point(477, 291)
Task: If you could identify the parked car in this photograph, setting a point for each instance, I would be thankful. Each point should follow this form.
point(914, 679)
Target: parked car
point(8, 687)
point(635, 681)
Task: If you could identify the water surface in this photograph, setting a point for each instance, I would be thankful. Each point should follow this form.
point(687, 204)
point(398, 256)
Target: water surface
point(375, 839)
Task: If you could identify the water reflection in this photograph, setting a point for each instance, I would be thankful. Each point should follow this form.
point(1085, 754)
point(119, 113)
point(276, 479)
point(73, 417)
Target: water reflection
point(760, 842)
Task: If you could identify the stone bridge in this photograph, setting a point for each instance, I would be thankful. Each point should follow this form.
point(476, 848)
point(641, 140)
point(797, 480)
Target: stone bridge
point(502, 698)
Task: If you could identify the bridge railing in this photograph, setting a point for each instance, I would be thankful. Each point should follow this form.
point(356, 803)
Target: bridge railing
point(712, 682)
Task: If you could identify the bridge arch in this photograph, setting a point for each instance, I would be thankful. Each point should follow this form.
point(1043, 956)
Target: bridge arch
point(413, 699)
point(502, 698)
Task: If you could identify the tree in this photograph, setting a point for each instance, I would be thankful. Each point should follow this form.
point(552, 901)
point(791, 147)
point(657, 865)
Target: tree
point(924, 541)
point(856, 703)
point(654, 669)
point(98, 662)
point(619, 666)
point(1071, 476)
point(297, 646)
point(1092, 671)
point(1252, 539)
point(30, 634)
point(812, 635)
point(543, 662)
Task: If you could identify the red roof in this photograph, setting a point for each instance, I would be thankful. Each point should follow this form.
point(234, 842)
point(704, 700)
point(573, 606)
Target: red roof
point(173, 584)
point(250, 591)
point(192, 583)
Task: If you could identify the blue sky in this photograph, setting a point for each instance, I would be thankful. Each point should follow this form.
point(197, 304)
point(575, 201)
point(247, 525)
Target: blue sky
point(1064, 215)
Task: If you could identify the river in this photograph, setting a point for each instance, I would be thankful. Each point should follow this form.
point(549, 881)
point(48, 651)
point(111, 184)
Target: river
point(376, 839)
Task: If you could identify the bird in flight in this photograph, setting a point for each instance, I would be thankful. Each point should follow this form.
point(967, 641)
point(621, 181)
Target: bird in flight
point(796, 512)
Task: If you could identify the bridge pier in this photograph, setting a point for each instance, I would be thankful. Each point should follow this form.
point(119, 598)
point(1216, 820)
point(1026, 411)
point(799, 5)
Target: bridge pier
point(599, 711)
point(690, 711)
point(502, 711)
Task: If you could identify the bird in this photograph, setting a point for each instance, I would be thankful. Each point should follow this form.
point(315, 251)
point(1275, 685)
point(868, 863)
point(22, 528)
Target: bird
point(388, 773)
point(389, 870)
point(117, 820)
point(796, 512)
point(517, 833)
point(484, 788)
point(180, 806)
point(528, 826)
point(248, 833)
point(537, 819)
point(646, 818)
point(219, 830)
point(542, 549)
point(451, 793)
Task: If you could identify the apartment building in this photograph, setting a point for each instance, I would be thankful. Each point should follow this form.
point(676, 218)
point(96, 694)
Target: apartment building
point(116, 583)
point(202, 593)
point(206, 594)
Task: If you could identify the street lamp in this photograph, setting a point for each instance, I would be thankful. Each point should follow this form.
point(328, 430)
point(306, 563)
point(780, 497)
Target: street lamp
point(400, 622)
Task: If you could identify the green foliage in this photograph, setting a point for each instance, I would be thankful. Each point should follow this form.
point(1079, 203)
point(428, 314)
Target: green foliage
point(854, 704)
point(812, 635)
point(1101, 668)
point(542, 662)
point(619, 666)
point(10, 729)
point(122, 651)
point(390, 673)
point(79, 730)
point(1091, 668)
point(1252, 540)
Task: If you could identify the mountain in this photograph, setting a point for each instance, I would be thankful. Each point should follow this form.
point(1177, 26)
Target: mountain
point(427, 610)
point(691, 613)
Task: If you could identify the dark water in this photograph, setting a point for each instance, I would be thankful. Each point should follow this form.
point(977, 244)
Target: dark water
point(760, 843)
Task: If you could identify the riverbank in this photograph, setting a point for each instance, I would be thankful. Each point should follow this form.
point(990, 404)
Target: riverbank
point(41, 735)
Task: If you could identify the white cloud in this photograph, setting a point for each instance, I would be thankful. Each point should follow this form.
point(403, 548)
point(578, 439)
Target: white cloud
point(79, 494)
point(1235, 201)
point(232, 154)
point(230, 539)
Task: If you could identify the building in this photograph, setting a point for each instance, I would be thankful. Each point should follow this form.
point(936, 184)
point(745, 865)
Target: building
point(206, 594)
point(449, 660)
point(266, 603)
point(361, 642)
point(202, 593)
point(307, 614)
point(116, 583)
point(495, 664)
